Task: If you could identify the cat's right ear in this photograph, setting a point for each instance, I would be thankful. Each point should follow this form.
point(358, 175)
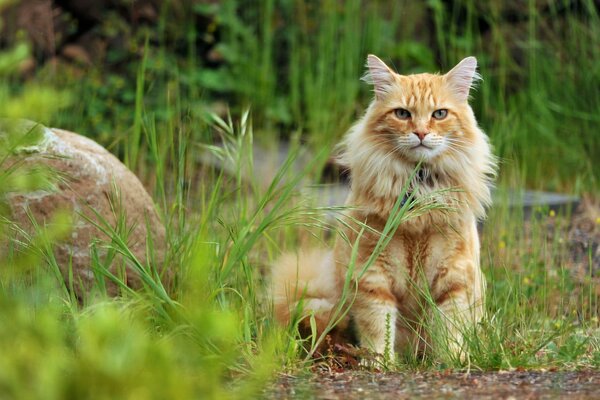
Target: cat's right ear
point(379, 75)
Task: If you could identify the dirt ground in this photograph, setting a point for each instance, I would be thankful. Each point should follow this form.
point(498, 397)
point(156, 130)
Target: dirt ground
point(476, 385)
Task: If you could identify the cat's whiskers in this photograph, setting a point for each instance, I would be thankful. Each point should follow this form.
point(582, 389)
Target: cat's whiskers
point(457, 145)
point(457, 149)
point(368, 147)
point(390, 152)
point(456, 153)
point(394, 151)
point(456, 140)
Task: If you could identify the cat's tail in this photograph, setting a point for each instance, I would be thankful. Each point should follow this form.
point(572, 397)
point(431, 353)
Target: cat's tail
point(304, 284)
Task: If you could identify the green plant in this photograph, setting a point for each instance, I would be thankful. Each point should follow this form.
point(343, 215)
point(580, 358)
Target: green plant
point(298, 63)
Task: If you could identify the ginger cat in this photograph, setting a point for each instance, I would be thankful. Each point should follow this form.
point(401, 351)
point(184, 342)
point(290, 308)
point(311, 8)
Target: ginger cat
point(426, 119)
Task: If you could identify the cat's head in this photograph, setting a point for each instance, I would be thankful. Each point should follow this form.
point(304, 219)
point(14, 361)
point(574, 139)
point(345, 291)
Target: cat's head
point(419, 118)
point(422, 117)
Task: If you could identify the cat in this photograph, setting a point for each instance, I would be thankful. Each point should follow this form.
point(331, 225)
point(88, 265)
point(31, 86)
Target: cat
point(418, 132)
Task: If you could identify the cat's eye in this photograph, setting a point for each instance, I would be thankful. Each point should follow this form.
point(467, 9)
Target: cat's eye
point(440, 114)
point(401, 113)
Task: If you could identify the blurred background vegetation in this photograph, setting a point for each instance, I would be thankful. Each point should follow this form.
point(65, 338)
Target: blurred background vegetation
point(145, 78)
point(297, 64)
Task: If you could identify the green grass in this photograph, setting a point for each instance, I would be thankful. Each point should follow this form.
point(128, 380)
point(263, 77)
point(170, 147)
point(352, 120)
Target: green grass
point(213, 335)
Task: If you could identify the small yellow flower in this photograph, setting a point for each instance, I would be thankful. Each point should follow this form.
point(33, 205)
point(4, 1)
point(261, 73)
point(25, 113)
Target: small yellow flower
point(598, 221)
point(526, 281)
point(557, 324)
point(552, 213)
point(502, 244)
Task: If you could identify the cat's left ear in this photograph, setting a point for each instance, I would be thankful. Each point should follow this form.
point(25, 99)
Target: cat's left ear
point(463, 77)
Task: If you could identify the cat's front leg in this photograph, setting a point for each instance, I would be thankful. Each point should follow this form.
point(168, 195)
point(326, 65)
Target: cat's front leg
point(457, 291)
point(374, 313)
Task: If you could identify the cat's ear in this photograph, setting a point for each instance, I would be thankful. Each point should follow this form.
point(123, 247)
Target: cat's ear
point(463, 77)
point(379, 75)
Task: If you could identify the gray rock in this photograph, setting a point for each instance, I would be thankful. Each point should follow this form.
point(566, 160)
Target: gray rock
point(92, 182)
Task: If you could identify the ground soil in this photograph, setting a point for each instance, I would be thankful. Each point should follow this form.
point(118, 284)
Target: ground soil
point(431, 385)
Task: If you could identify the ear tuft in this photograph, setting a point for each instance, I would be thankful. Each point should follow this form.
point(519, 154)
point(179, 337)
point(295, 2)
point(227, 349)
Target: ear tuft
point(463, 77)
point(379, 75)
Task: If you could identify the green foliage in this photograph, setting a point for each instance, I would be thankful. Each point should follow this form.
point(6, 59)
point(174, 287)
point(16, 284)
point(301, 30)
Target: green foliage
point(18, 139)
point(148, 344)
point(35, 101)
point(298, 64)
point(106, 351)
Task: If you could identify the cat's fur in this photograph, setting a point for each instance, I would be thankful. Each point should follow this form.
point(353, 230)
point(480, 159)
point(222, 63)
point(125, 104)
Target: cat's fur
point(436, 252)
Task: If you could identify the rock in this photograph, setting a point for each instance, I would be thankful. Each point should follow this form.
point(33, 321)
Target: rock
point(89, 177)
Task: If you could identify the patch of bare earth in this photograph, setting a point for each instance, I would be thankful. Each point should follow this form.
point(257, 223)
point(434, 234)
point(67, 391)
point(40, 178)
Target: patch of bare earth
point(436, 385)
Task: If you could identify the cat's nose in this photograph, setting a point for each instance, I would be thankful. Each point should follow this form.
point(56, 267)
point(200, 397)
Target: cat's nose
point(421, 134)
